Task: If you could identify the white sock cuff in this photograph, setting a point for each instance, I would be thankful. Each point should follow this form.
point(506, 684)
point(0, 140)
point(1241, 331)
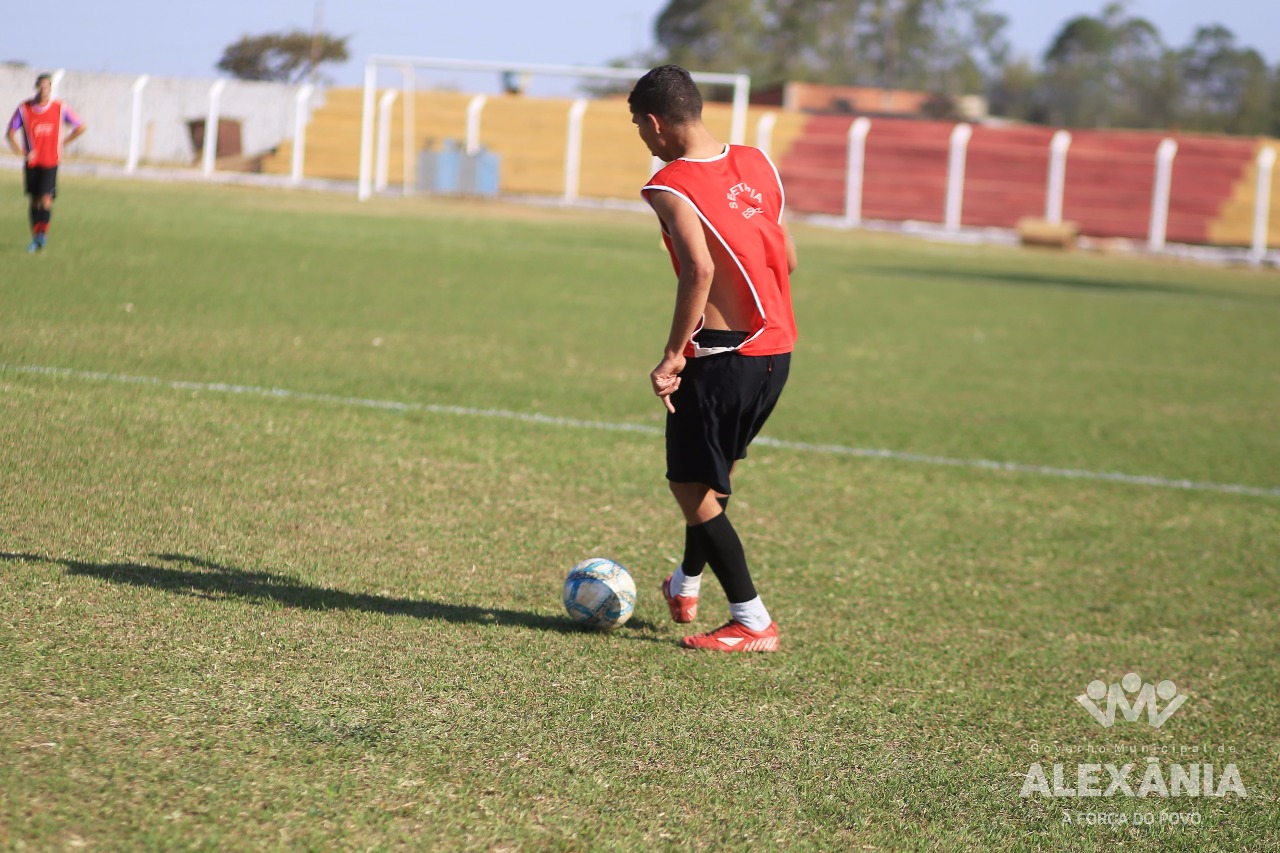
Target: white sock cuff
point(682, 584)
point(752, 614)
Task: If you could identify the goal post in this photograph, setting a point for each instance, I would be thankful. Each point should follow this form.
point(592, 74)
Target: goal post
point(408, 65)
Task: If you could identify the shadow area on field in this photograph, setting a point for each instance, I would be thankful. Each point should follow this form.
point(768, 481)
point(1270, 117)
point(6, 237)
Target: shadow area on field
point(203, 578)
point(1031, 279)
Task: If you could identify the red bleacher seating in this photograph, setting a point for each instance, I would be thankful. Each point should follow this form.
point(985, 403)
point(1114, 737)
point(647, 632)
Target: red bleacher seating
point(1109, 175)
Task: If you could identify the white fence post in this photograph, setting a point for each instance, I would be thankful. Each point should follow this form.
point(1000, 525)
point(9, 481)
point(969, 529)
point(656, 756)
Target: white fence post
point(55, 80)
point(741, 84)
point(854, 167)
point(300, 102)
point(573, 150)
point(1262, 205)
point(211, 127)
point(1055, 192)
point(764, 132)
point(1165, 153)
point(741, 98)
point(365, 187)
point(959, 145)
point(135, 125)
point(474, 108)
point(384, 138)
point(410, 130)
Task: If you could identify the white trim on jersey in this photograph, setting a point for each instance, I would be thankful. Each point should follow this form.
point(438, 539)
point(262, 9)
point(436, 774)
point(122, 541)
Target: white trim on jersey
point(782, 193)
point(699, 352)
point(723, 154)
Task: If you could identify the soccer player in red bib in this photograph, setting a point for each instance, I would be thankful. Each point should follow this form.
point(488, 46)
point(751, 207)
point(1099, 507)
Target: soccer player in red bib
point(729, 350)
point(41, 121)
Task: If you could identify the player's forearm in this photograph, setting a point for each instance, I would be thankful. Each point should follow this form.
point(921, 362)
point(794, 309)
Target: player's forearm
point(74, 135)
point(12, 139)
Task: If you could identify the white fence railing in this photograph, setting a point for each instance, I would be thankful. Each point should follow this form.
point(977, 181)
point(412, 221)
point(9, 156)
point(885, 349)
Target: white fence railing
point(407, 65)
point(147, 120)
point(139, 120)
point(951, 215)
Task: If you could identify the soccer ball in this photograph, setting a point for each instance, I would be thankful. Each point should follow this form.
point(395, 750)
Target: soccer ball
point(599, 594)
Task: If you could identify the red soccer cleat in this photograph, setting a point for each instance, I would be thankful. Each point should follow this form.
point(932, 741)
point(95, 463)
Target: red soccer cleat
point(684, 608)
point(735, 637)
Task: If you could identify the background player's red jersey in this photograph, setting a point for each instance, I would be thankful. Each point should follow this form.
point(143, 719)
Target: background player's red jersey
point(42, 128)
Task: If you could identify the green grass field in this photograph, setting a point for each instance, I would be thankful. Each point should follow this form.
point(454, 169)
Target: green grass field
point(238, 619)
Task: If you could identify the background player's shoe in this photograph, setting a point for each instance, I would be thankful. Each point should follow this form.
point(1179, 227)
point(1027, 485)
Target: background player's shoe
point(684, 608)
point(34, 245)
point(40, 238)
point(735, 637)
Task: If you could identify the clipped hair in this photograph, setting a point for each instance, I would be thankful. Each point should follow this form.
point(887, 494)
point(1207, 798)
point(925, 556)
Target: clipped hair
point(669, 93)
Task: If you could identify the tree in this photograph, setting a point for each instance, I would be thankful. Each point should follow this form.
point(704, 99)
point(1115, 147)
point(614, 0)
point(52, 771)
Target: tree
point(282, 57)
point(945, 46)
point(1227, 88)
point(1275, 103)
point(715, 35)
point(1014, 92)
point(941, 46)
point(1108, 71)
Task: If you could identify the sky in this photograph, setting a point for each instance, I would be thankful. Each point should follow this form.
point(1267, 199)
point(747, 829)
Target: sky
point(180, 39)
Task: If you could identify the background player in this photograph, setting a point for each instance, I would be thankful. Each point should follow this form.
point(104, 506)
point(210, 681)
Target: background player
point(41, 121)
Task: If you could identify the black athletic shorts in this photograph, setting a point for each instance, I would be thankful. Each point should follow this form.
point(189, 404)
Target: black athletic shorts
point(722, 403)
point(39, 180)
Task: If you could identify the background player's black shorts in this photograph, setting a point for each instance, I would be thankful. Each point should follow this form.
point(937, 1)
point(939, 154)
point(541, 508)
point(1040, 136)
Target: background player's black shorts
point(38, 181)
point(722, 403)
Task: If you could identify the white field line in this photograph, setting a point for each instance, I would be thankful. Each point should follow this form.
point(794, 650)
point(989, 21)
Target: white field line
point(575, 423)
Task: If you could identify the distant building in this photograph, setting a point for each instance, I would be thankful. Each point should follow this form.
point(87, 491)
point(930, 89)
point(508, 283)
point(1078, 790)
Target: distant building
point(865, 100)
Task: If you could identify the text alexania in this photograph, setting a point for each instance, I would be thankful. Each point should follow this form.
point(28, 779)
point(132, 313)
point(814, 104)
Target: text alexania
point(1108, 780)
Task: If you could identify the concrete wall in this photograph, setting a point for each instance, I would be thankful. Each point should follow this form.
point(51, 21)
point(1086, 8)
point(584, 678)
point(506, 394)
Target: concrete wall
point(104, 102)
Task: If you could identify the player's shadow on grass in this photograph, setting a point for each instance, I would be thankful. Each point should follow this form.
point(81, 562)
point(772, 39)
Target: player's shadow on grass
point(1050, 280)
point(206, 579)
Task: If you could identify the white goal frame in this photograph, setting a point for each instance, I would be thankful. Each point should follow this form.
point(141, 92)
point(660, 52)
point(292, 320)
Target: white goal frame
point(406, 65)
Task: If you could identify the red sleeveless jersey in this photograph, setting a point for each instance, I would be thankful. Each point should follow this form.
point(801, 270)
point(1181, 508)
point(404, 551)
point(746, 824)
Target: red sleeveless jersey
point(738, 196)
point(43, 129)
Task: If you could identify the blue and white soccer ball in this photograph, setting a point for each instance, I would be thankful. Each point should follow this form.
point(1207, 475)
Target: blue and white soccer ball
point(599, 594)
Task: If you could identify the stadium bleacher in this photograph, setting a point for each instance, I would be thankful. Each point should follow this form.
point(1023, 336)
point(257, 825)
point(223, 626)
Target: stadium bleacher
point(1109, 173)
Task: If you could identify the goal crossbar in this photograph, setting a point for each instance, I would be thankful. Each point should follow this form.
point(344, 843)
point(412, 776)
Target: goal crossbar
point(741, 84)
